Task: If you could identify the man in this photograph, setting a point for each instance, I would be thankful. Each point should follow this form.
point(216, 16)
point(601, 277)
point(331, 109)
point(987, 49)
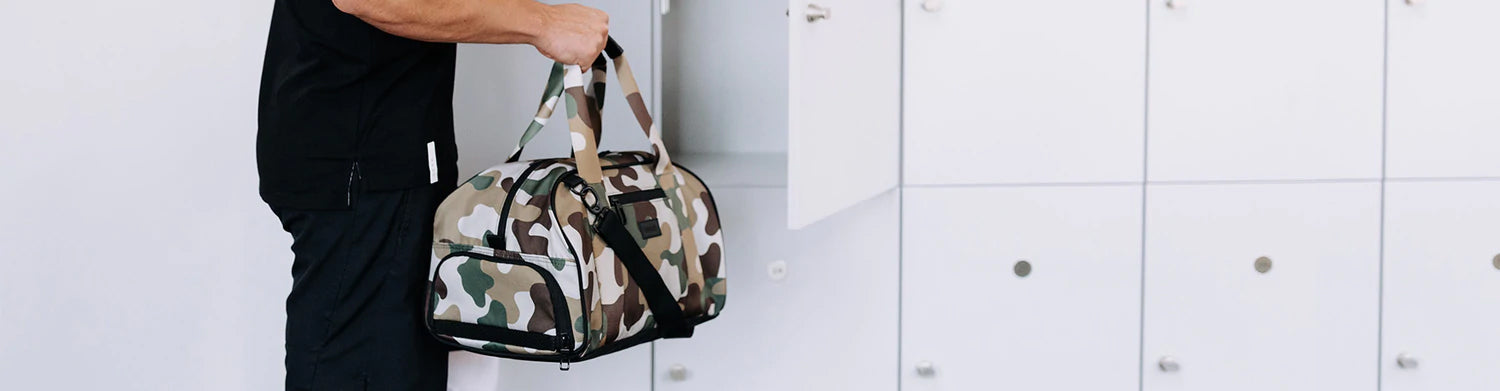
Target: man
point(355, 150)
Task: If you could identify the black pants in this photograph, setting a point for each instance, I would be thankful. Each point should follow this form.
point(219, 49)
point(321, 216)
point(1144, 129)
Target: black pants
point(353, 319)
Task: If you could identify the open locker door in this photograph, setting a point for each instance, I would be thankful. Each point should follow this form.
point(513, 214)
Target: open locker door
point(844, 86)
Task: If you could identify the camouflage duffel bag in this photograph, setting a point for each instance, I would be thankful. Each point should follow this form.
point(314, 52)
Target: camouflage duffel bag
point(571, 258)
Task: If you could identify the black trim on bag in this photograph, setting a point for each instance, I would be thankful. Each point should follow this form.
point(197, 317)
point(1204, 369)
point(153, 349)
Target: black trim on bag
point(562, 343)
point(579, 355)
point(496, 334)
point(637, 196)
point(510, 197)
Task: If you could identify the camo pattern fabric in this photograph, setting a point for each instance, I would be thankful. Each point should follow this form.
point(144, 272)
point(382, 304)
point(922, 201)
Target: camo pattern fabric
point(527, 208)
point(690, 262)
point(500, 294)
point(551, 95)
point(547, 221)
point(637, 105)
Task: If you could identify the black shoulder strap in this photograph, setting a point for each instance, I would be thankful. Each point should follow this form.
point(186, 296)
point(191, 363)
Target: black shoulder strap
point(670, 322)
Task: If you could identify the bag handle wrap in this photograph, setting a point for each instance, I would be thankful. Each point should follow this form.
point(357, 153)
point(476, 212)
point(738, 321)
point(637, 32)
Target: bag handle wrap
point(552, 93)
point(584, 119)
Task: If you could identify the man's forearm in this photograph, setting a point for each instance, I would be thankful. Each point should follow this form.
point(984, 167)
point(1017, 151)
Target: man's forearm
point(468, 21)
point(569, 33)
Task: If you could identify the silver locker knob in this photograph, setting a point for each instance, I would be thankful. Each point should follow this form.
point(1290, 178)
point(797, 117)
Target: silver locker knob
point(1406, 361)
point(1414, 2)
point(1496, 261)
point(1175, 4)
point(932, 5)
point(925, 369)
point(677, 372)
point(1022, 268)
point(1263, 265)
point(817, 12)
point(1168, 364)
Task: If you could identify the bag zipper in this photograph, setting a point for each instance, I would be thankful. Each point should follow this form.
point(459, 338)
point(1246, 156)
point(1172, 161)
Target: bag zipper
point(498, 241)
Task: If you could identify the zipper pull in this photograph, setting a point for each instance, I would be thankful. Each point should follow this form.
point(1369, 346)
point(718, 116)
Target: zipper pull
point(566, 351)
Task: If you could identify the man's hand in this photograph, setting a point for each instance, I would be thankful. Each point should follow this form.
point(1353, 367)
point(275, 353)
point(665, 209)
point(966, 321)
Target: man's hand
point(568, 33)
point(573, 34)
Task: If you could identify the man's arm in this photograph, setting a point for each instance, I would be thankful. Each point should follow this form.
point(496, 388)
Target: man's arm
point(567, 33)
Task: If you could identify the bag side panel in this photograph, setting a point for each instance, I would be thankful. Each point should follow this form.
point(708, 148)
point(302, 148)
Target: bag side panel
point(679, 265)
point(702, 224)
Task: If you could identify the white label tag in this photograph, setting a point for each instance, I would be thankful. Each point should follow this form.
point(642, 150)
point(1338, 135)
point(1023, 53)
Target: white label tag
point(432, 169)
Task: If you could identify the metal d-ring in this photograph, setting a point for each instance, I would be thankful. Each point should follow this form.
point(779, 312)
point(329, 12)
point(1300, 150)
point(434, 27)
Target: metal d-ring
point(591, 200)
point(586, 194)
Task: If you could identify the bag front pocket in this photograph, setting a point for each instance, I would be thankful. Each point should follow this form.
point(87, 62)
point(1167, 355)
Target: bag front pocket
point(499, 303)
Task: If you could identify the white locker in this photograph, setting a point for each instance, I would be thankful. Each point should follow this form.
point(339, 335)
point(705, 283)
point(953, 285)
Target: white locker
point(1441, 327)
point(1444, 88)
point(1261, 287)
point(812, 309)
point(1026, 288)
point(844, 105)
point(1265, 89)
point(1015, 91)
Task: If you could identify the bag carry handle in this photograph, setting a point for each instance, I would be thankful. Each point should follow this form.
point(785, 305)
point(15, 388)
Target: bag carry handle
point(552, 93)
point(583, 119)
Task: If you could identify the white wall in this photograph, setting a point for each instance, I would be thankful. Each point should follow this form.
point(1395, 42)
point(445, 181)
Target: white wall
point(137, 254)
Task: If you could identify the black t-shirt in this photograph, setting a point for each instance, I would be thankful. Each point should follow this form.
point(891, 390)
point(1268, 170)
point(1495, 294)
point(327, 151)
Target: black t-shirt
point(346, 108)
